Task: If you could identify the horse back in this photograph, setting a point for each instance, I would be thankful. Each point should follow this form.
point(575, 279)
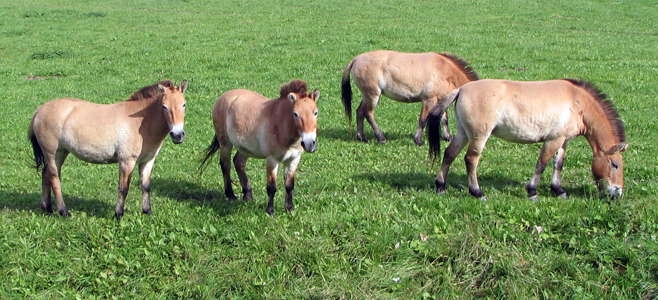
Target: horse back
point(405, 77)
point(239, 118)
point(517, 111)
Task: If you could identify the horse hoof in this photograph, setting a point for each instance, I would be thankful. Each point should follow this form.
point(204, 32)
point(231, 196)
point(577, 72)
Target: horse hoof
point(47, 208)
point(118, 215)
point(447, 139)
point(533, 198)
point(270, 211)
point(419, 142)
point(247, 196)
point(146, 211)
point(231, 197)
point(290, 208)
point(64, 212)
point(382, 141)
point(361, 138)
point(563, 196)
point(483, 199)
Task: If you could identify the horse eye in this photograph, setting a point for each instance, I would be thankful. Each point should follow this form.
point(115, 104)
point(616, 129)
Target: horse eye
point(614, 165)
point(183, 105)
point(164, 107)
point(315, 113)
point(295, 115)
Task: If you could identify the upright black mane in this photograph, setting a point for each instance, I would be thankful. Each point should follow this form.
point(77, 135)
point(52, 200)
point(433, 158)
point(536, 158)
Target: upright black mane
point(605, 104)
point(296, 86)
point(463, 66)
point(151, 91)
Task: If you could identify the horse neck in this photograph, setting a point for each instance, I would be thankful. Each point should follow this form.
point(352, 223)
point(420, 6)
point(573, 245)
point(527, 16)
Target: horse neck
point(598, 130)
point(153, 123)
point(282, 116)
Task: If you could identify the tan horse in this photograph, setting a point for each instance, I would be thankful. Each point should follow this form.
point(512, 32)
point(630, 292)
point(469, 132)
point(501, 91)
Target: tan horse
point(127, 133)
point(278, 130)
point(405, 77)
point(552, 112)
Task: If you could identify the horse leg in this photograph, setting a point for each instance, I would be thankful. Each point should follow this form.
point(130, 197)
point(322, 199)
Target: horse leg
point(360, 116)
point(455, 146)
point(125, 173)
point(272, 166)
point(422, 119)
point(46, 191)
point(53, 168)
point(240, 162)
point(145, 169)
point(291, 168)
point(445, 130)
point(472, 160)
point(46, 182)
point(367, 110)
point(556, 187)
point(545, 154)
point(225, 166)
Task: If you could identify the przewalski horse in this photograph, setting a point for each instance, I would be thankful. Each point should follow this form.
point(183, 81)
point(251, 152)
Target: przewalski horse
point(552, 112)
point(405, 77)
point(278, 130)
point(128, 133)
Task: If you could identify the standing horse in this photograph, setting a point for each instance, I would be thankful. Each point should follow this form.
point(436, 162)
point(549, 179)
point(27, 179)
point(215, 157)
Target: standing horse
point(405, 77)
point(552, 112)
point(127, 133)
point(278, 130)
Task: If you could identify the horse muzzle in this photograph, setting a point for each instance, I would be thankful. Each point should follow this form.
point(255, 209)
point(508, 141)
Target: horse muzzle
point(615, 191)
point(309, 142)
point(177, 137)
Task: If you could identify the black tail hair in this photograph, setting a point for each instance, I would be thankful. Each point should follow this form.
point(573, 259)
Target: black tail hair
point(434, 123)
point(39, 162)
point(347, 92)
point(214, 146)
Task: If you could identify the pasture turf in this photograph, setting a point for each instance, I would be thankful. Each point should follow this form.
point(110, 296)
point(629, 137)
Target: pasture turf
point(368, 223)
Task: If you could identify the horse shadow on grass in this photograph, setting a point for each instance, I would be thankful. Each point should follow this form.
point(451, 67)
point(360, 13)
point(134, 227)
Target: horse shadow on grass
point(195, 195)
point(349, 135)
point(14, 200)
point(459, 182)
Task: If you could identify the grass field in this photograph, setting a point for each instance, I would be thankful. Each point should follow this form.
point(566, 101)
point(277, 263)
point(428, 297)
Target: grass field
point(368, 223)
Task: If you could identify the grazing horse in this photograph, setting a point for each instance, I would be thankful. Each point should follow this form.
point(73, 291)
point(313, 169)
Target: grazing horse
point(552, 112)
point(278, 130)
point(128, 133)
point(404, 77)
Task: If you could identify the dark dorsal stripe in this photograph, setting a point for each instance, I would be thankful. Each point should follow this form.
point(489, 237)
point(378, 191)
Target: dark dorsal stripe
point(605, 104)
point(151, 91)
point(296, 86)
point(462, 65)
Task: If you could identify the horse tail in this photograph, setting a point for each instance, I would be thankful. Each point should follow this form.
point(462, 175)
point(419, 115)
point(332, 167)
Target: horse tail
point(434, 120)
point(214, 146)
point(347, 91)
point(39, 161)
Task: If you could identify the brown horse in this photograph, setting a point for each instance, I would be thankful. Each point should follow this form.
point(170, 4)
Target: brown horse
point(404, 77)
point(278, 130)
point(127, 133)
point(552, 112)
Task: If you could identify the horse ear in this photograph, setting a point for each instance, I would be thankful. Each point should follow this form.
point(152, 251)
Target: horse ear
point(315, 95)
point(292, 97)
point(621, 147)
point(183, 86)
point(162, 88)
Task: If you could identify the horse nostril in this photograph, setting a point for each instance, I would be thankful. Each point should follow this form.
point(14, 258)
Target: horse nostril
point(303, 145)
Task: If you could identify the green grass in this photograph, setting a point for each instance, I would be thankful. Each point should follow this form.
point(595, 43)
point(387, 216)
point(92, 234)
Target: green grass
point(367, 224)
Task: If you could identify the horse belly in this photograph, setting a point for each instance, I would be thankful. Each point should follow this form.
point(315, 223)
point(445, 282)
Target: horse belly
point(252, 144)
point(90, 144)
point(408, 91)
point(531, 128)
